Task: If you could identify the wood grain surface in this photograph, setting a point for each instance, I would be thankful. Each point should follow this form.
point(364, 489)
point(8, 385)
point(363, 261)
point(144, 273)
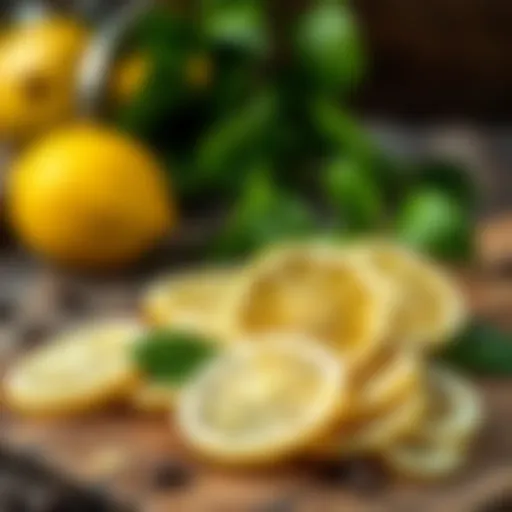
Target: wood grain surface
point(120, 450)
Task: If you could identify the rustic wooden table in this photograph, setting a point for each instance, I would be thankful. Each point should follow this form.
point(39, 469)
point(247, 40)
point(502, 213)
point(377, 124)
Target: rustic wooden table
point(120, 450)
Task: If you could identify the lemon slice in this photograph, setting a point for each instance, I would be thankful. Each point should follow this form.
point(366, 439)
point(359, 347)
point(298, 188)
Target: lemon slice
point(439, 446)
point(384, 430)
point(425, 460)
point(191, 298)
point(154, 398)
point(317, 290)
point(75, 372)
point(262, 402)
point(455, 413)
point(397, 375)
point(369, 435)
point(430, 307)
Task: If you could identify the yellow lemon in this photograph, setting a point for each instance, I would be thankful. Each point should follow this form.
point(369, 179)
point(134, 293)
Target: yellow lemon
point(439, 445)
point(263, 402)
point(317, 290)
point(455, 412)
point(87, 196)
point(397, 375)
point(430, 308)
point(38, 67)
point(153, 398)
point(370, 434)
point(421, 459)
point(75, 372)
point(192, 299)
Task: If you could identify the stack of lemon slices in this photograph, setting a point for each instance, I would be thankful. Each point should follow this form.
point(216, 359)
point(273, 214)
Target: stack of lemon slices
point(325, 352)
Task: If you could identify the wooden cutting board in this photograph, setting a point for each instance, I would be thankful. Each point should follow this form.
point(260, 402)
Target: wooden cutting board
point(120, 450)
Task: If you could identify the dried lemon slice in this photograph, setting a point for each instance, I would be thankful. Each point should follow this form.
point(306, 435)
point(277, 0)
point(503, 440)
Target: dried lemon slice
point(391, 379)
point(75, 372)
point(430, 308)
point(422, 459)
point(263, 402)
point(370, 434)
point(316, 290)
point(455, 412)
point(154, 398)
point(191, 298)
point(439, 446)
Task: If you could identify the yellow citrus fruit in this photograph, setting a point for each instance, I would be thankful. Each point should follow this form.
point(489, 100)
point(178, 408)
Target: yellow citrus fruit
point(389, 380)
point(190, 299)
point(262, 402)
point(455, 411)
point(316, 290)
point(439, 445)
point(154, 398)
point(430, 308)
point(75, 372)
point(88, 196)
point(370, 434)
point(424, 460)
point(38, 68)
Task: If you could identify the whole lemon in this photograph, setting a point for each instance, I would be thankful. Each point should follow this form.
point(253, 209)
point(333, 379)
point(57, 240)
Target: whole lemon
point(88, 196)
point(38, 67)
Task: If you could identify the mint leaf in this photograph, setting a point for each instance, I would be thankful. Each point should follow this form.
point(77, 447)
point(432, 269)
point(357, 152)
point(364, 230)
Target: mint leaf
point(171, 356)
point(482, 349)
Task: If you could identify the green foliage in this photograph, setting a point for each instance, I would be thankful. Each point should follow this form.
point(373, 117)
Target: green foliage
point(483, 350)
point(354, 195)
point(240, 25)
point(172, 357)
point(329, 47)
point(264, 214)
point(167, 42)
point(229, 145)
point(436, 223)
point(280, 106)
point(340, 130)
point(450, 177)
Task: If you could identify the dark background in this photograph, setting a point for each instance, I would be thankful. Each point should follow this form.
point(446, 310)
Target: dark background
point(432, 58)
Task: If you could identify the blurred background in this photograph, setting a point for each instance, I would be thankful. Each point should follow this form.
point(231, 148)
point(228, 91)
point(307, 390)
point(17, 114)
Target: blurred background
point(439, 78)
point(447, 59)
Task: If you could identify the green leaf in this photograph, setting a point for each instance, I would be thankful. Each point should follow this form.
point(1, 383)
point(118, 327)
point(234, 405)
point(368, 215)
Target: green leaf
point(435, 223)
point(264, 214)
point(173, 357)
point(231, 143)
point(482, 349)
point(329, 46)
point(341, 130)
point(354, 195)
point(449, 177)
point(235, 80)
point(240, 25)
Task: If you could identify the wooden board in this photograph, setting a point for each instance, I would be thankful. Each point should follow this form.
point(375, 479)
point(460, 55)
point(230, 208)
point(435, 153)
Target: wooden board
point(120, 450)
